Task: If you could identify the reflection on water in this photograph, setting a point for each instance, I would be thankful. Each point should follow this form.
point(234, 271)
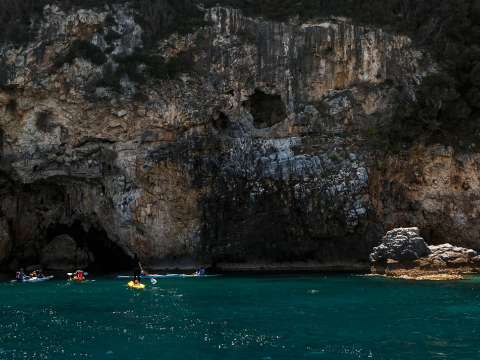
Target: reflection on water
point(242, 317)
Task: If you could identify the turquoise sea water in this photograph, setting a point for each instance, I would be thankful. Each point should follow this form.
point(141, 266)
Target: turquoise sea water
point(242, 316)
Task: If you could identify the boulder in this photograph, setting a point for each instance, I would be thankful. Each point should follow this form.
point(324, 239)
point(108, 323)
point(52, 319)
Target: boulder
point(400, 244)
point(404, 254)
point(64, 254)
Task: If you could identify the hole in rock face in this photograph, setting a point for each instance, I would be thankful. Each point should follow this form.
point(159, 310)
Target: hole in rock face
point(44, 121)
point(108, 255)
point(222, 124)
point(267, 110)
point(12, 105)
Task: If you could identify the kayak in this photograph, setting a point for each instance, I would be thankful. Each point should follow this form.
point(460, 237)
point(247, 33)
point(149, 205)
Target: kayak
point(32, 280)
point(195, 276)
point(78, 278)
point(135, 286)
point(153, 276)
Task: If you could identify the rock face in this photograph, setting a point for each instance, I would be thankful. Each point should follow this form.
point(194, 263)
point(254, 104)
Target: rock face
point(403, 253)
point(434, 188)
point(256, 158)
point(62, 253)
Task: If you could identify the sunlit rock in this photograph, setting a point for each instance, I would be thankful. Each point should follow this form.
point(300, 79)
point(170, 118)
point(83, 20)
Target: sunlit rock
point(403, 253)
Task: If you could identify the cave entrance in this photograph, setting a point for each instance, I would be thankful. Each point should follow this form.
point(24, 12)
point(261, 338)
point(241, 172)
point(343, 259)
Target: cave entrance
point(221, 124)
point(267, 110)
point(108, 256)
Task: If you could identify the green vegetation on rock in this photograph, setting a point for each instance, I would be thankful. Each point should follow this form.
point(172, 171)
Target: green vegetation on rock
point(112, 35)
point(83, 49)
point(447, 103)
point(158, 18)
point(154, 65)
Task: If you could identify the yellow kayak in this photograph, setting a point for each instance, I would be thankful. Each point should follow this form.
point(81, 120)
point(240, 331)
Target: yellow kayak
point(135, 286)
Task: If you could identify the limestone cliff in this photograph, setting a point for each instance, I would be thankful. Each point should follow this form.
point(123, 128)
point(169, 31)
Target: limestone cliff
point(253, 159)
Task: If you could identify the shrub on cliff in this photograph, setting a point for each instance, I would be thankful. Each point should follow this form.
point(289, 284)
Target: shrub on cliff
point(84, 4)
point(154, 65)
point(161, 69)
point(158, 18)
point(111, 80)
point(178, 64)
point(112, 35)
point(110, 20)
point(18, 19)
point(83, 49)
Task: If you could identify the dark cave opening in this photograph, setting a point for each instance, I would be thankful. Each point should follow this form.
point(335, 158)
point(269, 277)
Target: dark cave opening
point(267, 110)
point(222, 124)
point(108, 255)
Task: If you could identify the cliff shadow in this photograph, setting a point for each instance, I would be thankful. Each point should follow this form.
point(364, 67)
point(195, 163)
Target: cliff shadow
point(104, 255)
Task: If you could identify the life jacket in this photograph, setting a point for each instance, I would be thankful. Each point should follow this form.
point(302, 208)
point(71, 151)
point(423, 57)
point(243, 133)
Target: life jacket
point(20, 277)
point(17, 275)
point(39, 273)
point(79, 274)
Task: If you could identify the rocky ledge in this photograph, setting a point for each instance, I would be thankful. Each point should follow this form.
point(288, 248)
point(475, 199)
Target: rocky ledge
point(404, 254)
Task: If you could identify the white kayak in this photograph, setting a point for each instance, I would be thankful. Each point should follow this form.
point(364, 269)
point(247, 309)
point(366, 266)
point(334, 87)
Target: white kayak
point(32, 280)
point(153, 276)
point(195, 275)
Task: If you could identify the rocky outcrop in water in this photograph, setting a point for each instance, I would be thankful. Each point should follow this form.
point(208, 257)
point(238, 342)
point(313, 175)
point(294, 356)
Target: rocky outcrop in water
point(400, 245)
point(62, 253)
point(256, 158)
point(403, 253)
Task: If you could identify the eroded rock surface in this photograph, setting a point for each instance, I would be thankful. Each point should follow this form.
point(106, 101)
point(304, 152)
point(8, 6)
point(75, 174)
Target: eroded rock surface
point(399, 245)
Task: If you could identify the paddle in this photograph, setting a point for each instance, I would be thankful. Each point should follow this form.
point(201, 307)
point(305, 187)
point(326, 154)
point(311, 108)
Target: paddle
point(152, 280)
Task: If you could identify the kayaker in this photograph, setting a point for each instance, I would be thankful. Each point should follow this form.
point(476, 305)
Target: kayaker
point(39, 273)
point(79, 274)
point(137, 267)
point(20, 275)
point(200, 272)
